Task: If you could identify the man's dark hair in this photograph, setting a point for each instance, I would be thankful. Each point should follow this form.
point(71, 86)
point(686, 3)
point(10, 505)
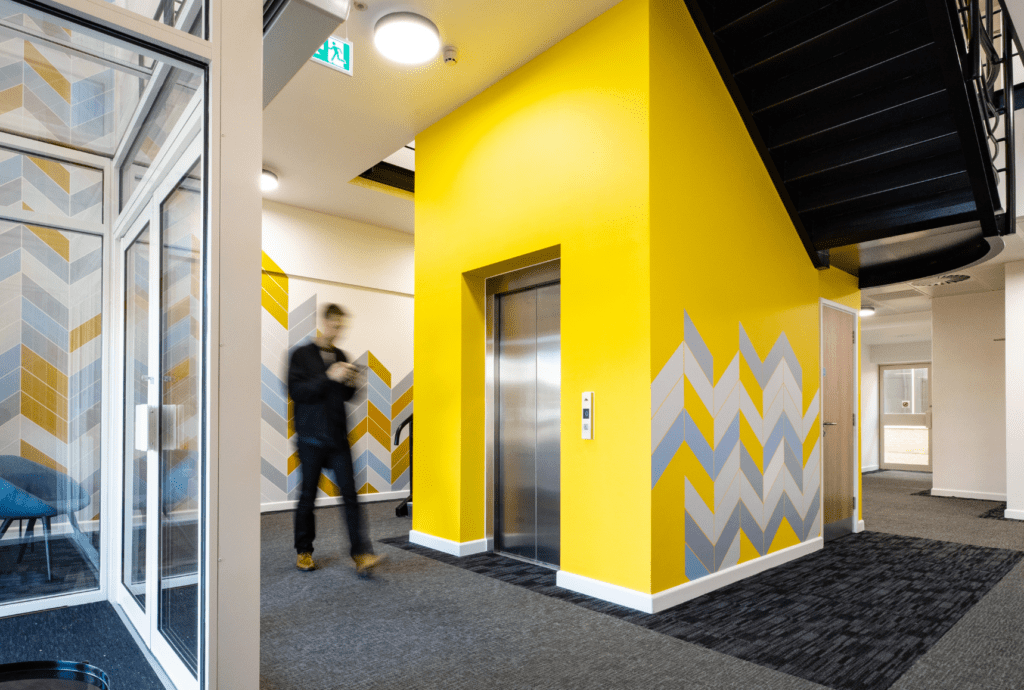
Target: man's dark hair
point(332, 310)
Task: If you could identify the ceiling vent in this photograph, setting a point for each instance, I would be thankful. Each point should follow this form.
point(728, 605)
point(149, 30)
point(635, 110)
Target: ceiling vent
point(941, 280)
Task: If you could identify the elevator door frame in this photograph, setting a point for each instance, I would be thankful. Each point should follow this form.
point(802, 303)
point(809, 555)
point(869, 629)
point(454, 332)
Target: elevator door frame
point(535, 276)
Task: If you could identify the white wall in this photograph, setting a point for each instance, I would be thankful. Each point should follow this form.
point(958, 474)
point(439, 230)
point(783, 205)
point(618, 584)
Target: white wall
point(1015, 390)
point(872, 357)
point(968, 396)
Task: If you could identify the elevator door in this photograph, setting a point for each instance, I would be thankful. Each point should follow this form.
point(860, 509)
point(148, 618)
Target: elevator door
point(528, 509)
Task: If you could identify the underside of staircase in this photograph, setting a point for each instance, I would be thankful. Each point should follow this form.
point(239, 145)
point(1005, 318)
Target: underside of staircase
point(867, 116)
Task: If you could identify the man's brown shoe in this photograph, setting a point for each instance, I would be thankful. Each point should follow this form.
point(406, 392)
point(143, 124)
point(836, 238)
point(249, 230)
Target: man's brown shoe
point(366, 562)
point(305, 562)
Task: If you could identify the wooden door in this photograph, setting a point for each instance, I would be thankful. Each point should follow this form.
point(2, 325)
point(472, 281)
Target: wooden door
point(839, 391)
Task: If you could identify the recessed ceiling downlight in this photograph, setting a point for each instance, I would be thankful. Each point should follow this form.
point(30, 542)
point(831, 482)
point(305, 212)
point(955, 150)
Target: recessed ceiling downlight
point(407, 38)
point(949, 279)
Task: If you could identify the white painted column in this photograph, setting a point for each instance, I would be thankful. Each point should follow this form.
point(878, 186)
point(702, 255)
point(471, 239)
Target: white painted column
point(1015, 390)
point(236, 137)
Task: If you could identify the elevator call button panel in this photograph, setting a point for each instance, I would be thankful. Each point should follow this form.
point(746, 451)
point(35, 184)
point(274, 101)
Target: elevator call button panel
point(588, 416)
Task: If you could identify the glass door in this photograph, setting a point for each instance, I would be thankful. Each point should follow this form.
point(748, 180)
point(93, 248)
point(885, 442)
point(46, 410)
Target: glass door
point(905, 417)
point(163, 258)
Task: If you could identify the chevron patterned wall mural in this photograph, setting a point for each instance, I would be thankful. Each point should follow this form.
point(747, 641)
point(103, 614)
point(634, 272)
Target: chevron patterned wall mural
point(376, 409)
point(754, 441)
point(51, 352)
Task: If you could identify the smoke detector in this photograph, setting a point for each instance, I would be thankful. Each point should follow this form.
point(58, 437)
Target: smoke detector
point(941, 280)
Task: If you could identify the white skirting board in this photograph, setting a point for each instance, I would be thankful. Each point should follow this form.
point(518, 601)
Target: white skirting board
point(653, 603)
point(869, 468)
point(1014, 515)
point(859, 528)
point(452, 548)
point(334, 501)
point(957, 493)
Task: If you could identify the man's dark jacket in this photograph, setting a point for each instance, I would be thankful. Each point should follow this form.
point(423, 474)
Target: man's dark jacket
point(319, 401)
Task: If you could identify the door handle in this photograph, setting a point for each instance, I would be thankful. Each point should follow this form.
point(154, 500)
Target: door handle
point(829, 423)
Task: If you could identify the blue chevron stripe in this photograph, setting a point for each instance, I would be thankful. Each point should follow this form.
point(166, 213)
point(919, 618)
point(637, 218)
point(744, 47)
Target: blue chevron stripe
point(699, 543)
point(668, 448)
point(783, 429)
point(694, 568)
point(698, 347)
point(795, 466)
point(727, 445)
point(732, 528)
point(750, 527)
point(751, 472)
point(698, 444)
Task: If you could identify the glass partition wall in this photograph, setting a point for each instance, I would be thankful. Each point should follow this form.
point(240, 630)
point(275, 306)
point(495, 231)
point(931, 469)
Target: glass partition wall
point(103, 299)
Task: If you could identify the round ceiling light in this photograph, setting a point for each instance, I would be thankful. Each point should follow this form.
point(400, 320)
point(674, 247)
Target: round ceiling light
point(867, 311)
point(268, 181)
point(407, 38)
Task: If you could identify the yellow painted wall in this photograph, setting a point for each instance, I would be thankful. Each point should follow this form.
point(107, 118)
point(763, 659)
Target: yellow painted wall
point(554, 157)
point(724, 251)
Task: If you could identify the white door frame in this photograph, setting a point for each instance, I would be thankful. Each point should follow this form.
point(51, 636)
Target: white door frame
point(858, 525)
point(881, 417)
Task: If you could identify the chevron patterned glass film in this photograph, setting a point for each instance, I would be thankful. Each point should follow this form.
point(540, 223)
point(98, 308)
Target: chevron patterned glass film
point(50, 187)
point(757, 469)
point(50, 403)
point(60, 85)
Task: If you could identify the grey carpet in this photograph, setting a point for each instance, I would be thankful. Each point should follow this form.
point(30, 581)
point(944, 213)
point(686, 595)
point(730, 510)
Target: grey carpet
point(817, 618)
point(27, 580)
point(425, 624)
point(91, 633)
point(997, 512)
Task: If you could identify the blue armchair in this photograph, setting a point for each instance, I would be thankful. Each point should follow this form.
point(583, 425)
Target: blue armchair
point(30, 491)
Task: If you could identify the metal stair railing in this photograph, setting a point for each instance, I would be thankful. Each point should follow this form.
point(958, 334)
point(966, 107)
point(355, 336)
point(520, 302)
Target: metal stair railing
point(986, 55)
point(403, 508)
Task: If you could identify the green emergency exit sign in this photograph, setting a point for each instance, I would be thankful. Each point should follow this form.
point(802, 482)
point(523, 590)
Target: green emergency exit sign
point(335, 53)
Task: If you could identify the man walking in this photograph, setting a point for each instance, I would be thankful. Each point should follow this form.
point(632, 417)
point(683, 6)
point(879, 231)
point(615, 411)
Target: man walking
point(320, 380)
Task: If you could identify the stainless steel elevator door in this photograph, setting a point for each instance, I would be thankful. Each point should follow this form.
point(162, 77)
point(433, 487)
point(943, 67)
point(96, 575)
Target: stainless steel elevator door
point(528, 476)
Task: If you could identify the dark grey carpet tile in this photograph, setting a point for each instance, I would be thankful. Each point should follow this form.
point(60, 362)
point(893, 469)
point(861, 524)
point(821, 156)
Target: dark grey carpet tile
point(91, 633)
point(983, 651)
point(997, 513)
point(855, 615)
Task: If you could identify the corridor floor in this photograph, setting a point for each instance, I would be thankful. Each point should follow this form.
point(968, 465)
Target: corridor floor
point(426, 624)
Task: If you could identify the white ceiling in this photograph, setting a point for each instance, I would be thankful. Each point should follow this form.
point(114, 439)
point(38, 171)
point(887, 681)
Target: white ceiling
point(903, 311)
point(326, 128)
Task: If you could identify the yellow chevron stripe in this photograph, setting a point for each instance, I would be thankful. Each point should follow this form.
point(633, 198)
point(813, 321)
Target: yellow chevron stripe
point(749, 440)
point(50, 74)
point(12, 99)
point(328, 487)
point(753, 388)
point(379, 369)
point(357, 432)
point(812, 439)
point(55, 171)
point(784, 538)
point(402, 402)
point(54, 239)
point(380, 418)
point(86, 332)
point(293, 462)
point(367, 488)
point(29, 452)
